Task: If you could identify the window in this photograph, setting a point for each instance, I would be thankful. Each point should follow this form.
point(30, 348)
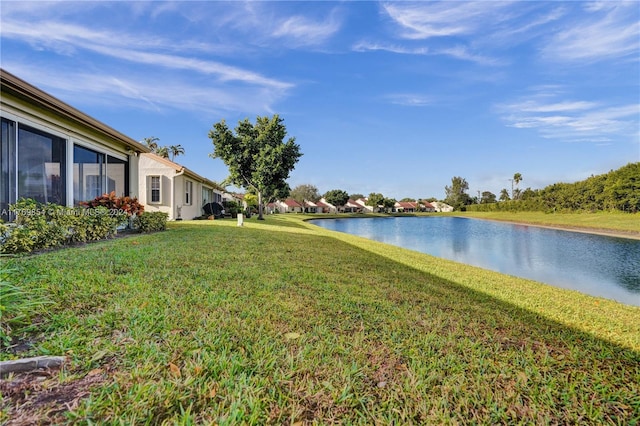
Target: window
point(155, 189)
point(207, 195)
point(8, 168)
point(95, 173)
point(188, 192)
point(33, 166)
point(88, 174)
point(117, 176)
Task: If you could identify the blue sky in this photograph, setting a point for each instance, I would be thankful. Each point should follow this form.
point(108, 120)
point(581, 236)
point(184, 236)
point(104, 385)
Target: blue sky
point(390, 97)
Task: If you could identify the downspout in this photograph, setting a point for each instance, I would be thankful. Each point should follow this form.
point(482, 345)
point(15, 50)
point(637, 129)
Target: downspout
point(173, 184)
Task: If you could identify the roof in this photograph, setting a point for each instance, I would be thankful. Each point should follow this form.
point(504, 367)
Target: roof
point(179, 168)
point(291, 202)
point(19, 88)
point(406, 204)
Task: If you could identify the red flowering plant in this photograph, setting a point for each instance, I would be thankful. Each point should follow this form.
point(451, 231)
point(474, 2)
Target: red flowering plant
point(116, 205)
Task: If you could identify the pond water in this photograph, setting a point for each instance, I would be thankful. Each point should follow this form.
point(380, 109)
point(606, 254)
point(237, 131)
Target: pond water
point(598, 265)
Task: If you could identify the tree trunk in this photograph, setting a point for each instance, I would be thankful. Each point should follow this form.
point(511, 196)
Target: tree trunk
point(260, 206)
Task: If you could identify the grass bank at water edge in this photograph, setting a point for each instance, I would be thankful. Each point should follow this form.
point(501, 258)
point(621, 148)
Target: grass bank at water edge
point(282, 322)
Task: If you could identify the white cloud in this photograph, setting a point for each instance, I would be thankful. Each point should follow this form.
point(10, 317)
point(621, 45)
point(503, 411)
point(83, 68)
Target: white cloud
point(146, 91)
point(440, 19)
point(364, 46)
point(410, 99)
point(68, 38)
point(608, 31)
point(302, 31)
point(573, 121)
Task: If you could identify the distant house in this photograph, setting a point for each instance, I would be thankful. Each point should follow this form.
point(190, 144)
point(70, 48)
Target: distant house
point(365, 208)
point(171, 188)
point(290, 206)
point(350, 207)
point(311, 207)
point(427, 207)
point(441, 207)
point(54, 153)
point(406, 206)
point(322, 206)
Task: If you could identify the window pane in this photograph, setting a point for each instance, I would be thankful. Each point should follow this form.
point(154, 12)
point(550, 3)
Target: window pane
point(88, 174)
point(8, 167)
point(117, 176)
point(41, 166)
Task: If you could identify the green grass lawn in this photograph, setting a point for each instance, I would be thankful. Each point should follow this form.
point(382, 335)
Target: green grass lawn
point(282, 322)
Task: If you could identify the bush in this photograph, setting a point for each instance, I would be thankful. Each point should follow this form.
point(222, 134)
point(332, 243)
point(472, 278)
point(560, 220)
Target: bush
point(151, 221)
point(116, 205)
point(40, 226)
point(231, 207)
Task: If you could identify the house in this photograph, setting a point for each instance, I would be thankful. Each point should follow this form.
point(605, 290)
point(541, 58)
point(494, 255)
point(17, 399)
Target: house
point(351, 207)
point(439, 206)
point(406, 206)
point(54, 153)
point(171, 188)
point(427, 207)
point(290, 206)
point(311, 207)
point(327, 207)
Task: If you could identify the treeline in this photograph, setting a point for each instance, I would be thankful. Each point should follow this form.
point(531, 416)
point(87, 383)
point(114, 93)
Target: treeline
point(618, 190)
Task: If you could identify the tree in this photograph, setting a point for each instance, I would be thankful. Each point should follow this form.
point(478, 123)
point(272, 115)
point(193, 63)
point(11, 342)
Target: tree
point(356, 196)
point(515, 193)
point(375, 200)
point(303, 193)
point(488, 197)
point(162, 151)
point(408, 200)
point(151, 142)
point(504, 195)
point(388, 204)
point(257, 155)
point(337, 197)
point(175, 150)
point(456, 194)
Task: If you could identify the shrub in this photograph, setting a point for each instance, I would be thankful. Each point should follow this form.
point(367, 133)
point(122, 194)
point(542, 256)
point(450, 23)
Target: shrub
point(151, 221)
point(231, 207)
point(116, 205)
point(41, 226)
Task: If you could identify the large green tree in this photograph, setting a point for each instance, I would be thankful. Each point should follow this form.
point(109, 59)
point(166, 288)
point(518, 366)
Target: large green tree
point(257, 155)
point(337, 197)
point(456, 194)
point(305, 192)
point(488, 197)
point(375, 200)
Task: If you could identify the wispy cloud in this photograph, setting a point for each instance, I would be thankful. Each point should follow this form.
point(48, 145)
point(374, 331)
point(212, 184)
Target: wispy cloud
point(410, 99)
point(302, 31)
point(608, 31)
point(365, 46)
point(441, 19)
point(571, 120)
point(150, 92)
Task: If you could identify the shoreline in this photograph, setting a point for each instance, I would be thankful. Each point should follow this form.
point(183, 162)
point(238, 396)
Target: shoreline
point(584, 230)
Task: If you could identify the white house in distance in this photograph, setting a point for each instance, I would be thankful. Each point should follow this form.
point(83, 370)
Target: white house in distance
point(54, 153)
point(168, 187)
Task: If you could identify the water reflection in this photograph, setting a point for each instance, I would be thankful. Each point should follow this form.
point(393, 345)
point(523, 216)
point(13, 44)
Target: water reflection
point(594, 264)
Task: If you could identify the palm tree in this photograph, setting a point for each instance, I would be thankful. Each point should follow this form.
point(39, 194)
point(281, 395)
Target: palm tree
point(162, 151)
point(151, 142)
point(517, 178)
point(175, 150)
